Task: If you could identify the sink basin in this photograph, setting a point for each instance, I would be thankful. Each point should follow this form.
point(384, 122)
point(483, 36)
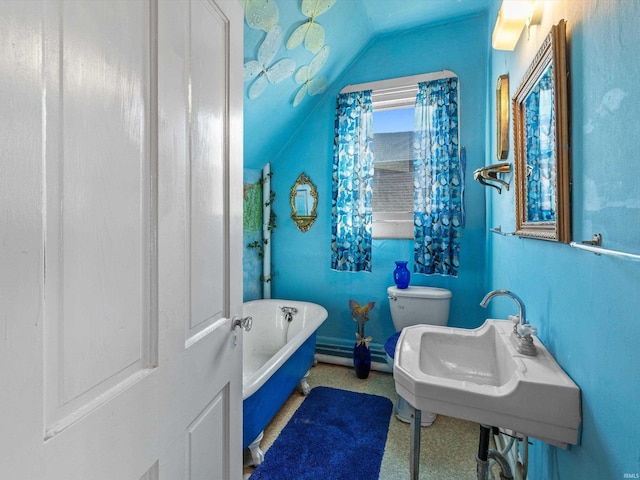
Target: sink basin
point(476, 356)
point(478, 375)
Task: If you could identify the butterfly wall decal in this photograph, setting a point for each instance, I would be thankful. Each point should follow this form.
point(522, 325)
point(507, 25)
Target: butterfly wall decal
point(310, 32)
point(305, 76)
point(262, 70)
point(261, 14)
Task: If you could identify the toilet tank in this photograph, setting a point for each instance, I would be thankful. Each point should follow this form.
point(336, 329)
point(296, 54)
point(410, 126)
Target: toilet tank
point(419, 305)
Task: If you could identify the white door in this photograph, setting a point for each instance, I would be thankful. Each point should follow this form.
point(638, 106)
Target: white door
point(120, 239)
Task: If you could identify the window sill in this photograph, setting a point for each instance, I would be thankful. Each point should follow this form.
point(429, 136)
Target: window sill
point(394, 229)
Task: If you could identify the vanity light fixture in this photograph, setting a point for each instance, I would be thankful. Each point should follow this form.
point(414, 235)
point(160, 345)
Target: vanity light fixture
point(512, 17)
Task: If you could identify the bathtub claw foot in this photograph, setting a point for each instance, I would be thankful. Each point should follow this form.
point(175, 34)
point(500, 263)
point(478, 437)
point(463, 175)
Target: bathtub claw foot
point(257, 455)
point(303, 386)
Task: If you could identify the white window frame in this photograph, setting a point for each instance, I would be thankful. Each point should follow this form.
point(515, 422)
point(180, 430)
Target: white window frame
point(389, 95)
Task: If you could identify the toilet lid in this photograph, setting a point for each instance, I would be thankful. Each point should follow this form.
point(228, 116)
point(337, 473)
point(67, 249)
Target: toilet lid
point(390, 344)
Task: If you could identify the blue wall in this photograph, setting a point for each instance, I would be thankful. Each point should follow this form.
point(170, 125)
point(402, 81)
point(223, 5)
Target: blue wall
point(302, 260)
point(586, 307)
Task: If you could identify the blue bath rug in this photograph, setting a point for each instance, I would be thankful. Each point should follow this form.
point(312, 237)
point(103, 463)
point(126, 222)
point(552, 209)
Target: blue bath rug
point(334, 435)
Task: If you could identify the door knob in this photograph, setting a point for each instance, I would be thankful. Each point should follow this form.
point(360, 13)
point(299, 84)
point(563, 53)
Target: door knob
point(245, 323)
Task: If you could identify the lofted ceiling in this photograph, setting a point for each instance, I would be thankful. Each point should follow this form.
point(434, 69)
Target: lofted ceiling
point(349, 26)
point(391, 15)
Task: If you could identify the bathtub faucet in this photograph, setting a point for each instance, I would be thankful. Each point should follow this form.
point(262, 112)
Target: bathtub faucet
point(288, 312)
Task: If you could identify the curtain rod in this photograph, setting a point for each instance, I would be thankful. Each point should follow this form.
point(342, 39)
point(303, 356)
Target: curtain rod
point(399, 82)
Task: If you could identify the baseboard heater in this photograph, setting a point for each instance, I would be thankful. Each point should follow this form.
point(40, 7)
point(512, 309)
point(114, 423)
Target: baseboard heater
point(342, 354)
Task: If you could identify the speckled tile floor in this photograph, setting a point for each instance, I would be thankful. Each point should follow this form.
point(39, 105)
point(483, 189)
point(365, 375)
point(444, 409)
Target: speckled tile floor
point(447, 449)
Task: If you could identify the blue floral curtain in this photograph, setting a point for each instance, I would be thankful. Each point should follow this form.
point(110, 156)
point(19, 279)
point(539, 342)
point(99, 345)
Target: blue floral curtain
point(438, 175)
point(351, 221)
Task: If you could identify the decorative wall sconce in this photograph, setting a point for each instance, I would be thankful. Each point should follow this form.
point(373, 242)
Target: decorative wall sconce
point(512, 18)
point(489, 175)
point(502, 117)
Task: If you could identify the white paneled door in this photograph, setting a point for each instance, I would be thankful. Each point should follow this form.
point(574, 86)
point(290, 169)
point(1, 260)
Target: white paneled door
point(120, 239)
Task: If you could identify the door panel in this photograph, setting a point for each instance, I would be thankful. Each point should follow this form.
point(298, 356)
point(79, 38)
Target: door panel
point(206, 127)
point(121, 239)
point(206, 435)
point(100, 247)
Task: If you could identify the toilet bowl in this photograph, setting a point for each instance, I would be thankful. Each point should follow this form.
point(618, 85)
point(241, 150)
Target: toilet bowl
point(415, 306)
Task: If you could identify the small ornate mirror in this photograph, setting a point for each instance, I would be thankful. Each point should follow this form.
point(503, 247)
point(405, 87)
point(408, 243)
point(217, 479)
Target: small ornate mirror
point(541, 129)
point(304, 200)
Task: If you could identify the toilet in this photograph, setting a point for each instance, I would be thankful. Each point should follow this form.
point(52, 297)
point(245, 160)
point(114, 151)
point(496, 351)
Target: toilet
point(415, 306)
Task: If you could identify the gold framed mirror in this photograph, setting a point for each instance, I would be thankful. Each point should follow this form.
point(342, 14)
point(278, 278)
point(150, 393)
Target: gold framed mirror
point(304, 200)
point(542, 153)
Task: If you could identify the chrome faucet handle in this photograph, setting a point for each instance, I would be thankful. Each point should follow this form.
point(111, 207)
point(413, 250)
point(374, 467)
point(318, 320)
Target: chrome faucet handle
point(526, 330)
point(515, 319)
point(523, 339)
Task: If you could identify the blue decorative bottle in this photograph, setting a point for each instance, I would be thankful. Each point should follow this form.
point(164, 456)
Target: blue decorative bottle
point(401, 274)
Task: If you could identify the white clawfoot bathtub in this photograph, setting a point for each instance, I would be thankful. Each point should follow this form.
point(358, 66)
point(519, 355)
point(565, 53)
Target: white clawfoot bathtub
point(277, 354)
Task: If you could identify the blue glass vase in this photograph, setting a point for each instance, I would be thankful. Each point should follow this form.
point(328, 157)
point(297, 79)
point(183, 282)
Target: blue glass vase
point(401, 274)
point(362, 360)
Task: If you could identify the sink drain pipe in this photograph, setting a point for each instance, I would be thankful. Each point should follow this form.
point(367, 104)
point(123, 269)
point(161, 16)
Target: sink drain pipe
point(485, 453)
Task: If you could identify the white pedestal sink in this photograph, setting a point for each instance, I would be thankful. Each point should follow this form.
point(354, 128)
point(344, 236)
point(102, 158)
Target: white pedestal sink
point(478, 375)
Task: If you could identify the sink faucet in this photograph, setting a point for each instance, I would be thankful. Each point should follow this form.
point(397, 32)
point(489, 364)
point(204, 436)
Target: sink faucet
point(522, 331)
point(513, 296)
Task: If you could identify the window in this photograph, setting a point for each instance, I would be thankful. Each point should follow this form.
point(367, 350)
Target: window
point(393, 124)
point(375, 139)
point(393, 173)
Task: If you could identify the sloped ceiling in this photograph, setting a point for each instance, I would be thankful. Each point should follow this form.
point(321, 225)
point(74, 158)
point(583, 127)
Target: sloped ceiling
point(349, 26)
